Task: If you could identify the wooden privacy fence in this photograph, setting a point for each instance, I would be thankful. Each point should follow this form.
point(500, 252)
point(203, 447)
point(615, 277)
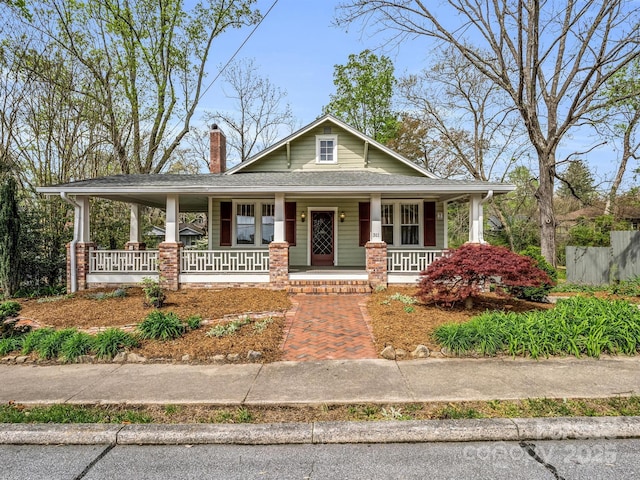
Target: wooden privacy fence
point(602, 265)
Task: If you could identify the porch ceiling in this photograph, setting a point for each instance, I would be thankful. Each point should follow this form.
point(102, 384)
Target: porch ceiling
point(151, 190)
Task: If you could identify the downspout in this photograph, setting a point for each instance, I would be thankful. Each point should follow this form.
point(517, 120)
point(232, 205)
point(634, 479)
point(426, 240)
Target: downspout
point(72, 245)
point(487, 198)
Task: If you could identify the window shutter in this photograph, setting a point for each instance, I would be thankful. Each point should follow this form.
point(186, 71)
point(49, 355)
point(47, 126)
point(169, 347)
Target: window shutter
point(364, 218)
point(226, 221)
point(429, 224)
point(290, 222)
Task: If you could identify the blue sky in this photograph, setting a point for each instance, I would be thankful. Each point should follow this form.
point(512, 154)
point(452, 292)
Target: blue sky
point(296, 47)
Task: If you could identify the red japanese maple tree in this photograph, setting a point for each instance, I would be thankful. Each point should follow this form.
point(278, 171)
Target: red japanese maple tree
point(467, 271)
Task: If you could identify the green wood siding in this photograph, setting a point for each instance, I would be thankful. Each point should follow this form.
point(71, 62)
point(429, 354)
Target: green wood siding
point(381, 162)
point(439, 227)
point(350, 254)
point(350, 156)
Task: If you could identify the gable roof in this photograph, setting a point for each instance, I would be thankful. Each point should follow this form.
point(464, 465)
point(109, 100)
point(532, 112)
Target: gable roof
point(338, 123)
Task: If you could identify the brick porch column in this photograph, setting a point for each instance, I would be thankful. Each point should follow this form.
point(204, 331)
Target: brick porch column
point(169, 264)
point(376, 263)
point(279, 265)
point(82, 264)
point(135, 246)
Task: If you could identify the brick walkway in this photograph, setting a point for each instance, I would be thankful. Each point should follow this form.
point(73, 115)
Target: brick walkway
point(328, 327)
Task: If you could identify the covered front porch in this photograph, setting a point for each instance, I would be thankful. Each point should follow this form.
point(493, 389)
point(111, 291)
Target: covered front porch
point(279, 241)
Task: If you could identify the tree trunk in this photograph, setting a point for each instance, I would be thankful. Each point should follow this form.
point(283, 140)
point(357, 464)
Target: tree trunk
point(505, 224)
point(468, 303)
point(544, 195)
point(613, 192)
point(10, 272)
point(628, 151)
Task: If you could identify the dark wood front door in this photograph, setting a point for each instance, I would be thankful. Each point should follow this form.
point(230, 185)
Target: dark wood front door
point(322, 242)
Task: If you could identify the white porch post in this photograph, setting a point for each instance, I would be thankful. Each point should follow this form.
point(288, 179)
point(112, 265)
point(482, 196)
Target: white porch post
point(476, 219)
point(445, 224)
point(135, 235)
point(82, 219)
point(210, 224)
point(134, 223)
point(171, 234)
point(78, 250)
point(376, 218)
point(279, 220)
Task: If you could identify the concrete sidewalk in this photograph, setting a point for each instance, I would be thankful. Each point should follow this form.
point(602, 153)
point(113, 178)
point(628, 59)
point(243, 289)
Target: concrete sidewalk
point(323, 382)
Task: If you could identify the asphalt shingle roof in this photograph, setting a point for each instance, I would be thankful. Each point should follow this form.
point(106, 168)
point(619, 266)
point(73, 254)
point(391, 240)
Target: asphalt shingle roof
point(265, 180)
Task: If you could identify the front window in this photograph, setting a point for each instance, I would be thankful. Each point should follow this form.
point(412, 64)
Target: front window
point(410, 226)
point(255, 223)
point(326, 149)
point(387, 223)
point(245, 224)
point(268, 221)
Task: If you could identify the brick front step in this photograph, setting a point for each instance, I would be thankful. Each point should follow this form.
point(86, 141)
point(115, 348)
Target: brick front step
point(329, 286)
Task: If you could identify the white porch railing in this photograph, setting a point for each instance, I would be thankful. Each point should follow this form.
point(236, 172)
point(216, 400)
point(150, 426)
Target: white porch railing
point(123, 261)
point(225, 261)
point(407, 261)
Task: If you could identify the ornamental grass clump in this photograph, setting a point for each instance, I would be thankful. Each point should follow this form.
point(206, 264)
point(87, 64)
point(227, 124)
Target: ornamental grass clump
point(9, 308)
point(576, 326)
point(473, 269)
point(33, 338)
point(111, 341)
point(194, 322)
point(161, 326)
point(10, 344)
point(49, 346)
point(80, 343)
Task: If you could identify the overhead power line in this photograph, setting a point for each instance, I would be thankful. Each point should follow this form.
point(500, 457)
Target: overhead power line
point(238, 50)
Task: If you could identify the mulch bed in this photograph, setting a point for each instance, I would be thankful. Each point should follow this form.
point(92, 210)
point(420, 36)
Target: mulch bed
point(391, 323)
point(84, 312)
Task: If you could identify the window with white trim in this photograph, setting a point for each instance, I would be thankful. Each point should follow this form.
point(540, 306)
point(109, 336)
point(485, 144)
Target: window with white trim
point(387, 222)
point(401, 222)
point(410, 224)
point(245, 224)
point(252, 230)
point(326, 149)
point(267, 223)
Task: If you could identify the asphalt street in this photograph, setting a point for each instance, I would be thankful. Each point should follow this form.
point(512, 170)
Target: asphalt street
point(554, 460)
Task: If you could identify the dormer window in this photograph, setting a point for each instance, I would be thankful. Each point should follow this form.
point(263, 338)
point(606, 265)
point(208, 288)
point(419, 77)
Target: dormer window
point(326, 149)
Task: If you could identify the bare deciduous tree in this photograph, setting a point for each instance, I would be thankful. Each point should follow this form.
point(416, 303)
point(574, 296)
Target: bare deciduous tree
point(621, 121)
point(474, 131)
point(552, 59)
point(260, 113)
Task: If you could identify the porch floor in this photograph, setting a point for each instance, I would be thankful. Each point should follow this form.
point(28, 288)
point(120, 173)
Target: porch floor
point(328, 327)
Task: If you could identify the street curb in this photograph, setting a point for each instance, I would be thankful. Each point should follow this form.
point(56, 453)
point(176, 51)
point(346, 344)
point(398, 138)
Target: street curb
point(210, 434)
point(413, 431)
point(58, 434)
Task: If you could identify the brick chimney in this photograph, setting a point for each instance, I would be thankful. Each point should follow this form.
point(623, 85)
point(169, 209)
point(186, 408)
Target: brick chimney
point(217, 150)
